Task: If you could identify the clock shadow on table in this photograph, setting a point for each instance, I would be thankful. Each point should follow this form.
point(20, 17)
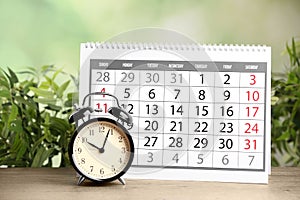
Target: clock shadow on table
point(88, 183)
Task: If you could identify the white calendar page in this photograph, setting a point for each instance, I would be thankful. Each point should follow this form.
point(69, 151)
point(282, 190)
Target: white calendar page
point(200, 114)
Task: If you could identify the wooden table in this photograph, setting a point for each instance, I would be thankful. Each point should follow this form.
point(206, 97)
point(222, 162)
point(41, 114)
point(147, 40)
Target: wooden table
point(46, 183)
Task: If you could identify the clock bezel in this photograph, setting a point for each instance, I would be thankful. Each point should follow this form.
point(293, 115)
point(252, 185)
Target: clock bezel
point(101, 119)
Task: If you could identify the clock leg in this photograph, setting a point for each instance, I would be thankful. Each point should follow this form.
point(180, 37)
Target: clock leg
point(122, 181)
point(80, 180)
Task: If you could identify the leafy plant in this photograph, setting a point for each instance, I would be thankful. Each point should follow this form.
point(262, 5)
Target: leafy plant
point(33, 117)
point(286, 110)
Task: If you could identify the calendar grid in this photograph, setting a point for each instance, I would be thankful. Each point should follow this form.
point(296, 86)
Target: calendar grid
point(238, 163)
point(265, 127)
point(163, 137)
point(137, 149)
point(188, 137)
point(225, 115)
point(213, 127)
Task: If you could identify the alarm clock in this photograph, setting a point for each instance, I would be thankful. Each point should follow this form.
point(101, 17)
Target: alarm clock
point(101, 149)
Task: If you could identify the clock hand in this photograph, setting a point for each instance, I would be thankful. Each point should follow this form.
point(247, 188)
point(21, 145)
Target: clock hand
point(101, 150)
point(94, 146)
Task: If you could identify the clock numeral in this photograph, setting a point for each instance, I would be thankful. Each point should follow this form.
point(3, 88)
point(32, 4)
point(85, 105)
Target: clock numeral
point(101, 129)
point(101, 171)
point(92, 132)
point(120, 160)
point(82, 160)
point(92, 168)
point(79, 150)
point(83, 139)
point(123, 150)
point(120, 139)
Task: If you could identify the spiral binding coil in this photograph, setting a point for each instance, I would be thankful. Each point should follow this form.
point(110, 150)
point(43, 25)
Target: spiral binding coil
point(174, 47)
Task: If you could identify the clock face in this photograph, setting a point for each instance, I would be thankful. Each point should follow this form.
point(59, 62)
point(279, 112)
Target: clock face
point(101, 149)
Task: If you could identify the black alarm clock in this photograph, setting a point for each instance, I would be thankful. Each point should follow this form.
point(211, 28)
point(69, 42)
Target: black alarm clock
point(101, 149)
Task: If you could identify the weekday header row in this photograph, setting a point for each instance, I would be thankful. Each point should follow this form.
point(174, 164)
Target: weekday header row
point(178, 65)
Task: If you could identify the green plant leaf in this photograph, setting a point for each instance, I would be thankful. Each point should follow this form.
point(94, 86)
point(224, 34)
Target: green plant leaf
point(16, 126)
point(75, 81)
point(45, 100)
point(46, 69)
point(29, 102)
point(22, 149)
point(13, 114)
point(5, 93)
point(284, 136)
point(53, 107)
point(58, 126)
point(44, 85)
point(13, 77)
point(72, 99)
point(3, 81)
point(274, 161)
point(4, 152)
point(54, 87)
point(42, 93)
point(27, 72)
point(41, 156)
point(290, 150)
point(37, 143)
point(62, 88)
point(68, 103)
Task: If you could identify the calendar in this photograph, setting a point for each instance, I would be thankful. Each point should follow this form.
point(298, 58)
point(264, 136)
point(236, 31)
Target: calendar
point(200, 112)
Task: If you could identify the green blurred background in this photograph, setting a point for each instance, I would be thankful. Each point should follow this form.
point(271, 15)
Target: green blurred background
point(39, 32)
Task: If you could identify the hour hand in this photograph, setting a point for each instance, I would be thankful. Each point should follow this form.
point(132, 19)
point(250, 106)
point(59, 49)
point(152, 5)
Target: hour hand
point(94, 146)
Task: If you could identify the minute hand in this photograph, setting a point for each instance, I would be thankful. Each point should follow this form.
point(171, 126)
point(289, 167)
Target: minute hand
point(101, 150)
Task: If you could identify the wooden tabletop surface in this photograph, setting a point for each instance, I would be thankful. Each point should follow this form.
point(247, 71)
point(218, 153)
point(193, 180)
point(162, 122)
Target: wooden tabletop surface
point(47, 183)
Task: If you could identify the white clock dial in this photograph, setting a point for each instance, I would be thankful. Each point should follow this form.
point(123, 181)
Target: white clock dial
point(102, 150)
